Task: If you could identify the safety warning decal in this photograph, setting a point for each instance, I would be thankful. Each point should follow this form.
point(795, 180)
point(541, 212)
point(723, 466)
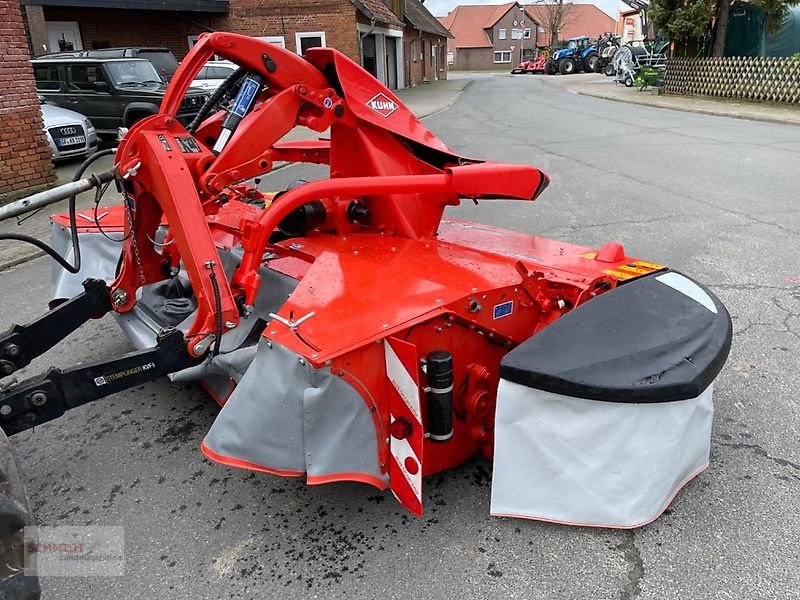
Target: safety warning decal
point(636, 268)
point(188, 144)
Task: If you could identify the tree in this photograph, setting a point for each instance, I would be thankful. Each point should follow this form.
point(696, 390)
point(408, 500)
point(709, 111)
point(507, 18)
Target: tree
point(687, 20)
point(552, 17)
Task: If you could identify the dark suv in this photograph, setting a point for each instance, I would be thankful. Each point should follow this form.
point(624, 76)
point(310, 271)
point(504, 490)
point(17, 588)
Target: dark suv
point(112, 92)
point(162, 58)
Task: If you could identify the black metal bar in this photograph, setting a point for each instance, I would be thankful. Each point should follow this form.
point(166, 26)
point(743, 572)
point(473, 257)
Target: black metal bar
point(48, 396)
point(22, 343)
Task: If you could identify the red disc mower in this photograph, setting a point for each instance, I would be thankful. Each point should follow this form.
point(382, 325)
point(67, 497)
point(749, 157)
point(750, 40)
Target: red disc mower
point(349, 332)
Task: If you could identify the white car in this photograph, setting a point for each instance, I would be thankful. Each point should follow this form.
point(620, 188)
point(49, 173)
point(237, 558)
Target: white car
point(69, 134)
point(213, 74)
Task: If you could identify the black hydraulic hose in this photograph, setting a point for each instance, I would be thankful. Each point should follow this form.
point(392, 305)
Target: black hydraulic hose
point(76, 248)
point(218, 308)
point(225, 87)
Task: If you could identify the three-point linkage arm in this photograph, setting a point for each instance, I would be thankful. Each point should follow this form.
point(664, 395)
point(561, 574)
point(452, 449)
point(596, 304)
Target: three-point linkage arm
point(46, 397)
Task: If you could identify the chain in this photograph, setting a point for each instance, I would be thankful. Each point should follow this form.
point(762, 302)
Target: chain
point(136, 255)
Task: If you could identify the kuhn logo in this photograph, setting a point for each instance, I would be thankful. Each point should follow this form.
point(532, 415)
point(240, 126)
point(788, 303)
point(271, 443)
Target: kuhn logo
point(383, 105)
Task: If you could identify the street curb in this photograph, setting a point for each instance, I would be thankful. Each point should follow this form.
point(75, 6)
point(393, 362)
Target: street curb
point(693, 109)
point(4, 266)
point(703, 110)
point(450, 104)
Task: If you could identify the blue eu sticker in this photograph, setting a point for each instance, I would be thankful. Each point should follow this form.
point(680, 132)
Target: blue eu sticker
point(503, 310)
point(245, 97)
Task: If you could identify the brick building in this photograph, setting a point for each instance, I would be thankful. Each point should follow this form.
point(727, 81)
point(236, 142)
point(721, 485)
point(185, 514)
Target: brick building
point(488, 37)
point(578, 20)
point(425, 40)
point(371, 32)
point(24, 153)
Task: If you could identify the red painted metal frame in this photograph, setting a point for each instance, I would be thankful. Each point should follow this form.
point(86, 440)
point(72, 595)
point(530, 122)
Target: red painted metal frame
point(399, 277)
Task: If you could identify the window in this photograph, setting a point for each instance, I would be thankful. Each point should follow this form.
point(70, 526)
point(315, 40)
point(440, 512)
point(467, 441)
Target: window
point(306, 40)
point(134, 73)
point(219, 72)
point(502, 56)
point(81, 78)
point(516, 34)
point(451, 58)
point(278, 40)
point(541, 29)
point(46, 78)
point(527, 35)
point(501, 34)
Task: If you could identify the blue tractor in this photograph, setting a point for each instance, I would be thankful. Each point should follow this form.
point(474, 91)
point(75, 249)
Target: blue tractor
point(580, 54)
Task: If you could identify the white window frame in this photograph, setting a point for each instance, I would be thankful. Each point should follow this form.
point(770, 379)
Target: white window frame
point(527, 34)
point(501, 34)
point(280, 40)
point(516, 34)
point(501, 53)
point(192, 40)
point(300, 35)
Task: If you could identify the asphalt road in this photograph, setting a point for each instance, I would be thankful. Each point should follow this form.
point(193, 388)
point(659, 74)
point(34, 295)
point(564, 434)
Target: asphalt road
point(713, 197)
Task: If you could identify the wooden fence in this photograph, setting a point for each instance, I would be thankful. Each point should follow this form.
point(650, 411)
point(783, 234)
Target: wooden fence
point(743, 78)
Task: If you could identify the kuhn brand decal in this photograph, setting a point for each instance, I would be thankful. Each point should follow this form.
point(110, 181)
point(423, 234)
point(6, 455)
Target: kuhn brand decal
point(383, 105)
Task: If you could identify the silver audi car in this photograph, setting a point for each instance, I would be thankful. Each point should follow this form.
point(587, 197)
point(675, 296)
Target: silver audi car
point(69, 134)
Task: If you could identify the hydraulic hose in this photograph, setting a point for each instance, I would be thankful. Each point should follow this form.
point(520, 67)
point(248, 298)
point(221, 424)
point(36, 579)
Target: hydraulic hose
point(225, 87)
point(49, 250)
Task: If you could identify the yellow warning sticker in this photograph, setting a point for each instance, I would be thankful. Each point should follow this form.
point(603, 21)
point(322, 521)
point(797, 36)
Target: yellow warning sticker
point(634, 269)
point(619, 274)
point(589, 255)
point(648, 265)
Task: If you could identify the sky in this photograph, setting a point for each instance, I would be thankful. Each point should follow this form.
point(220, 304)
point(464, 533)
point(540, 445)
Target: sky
point(440, 8)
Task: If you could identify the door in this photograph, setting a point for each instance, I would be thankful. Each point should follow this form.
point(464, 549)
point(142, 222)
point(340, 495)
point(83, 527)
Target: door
point(391, 62)
point(89, 93)
point(368, 55)
point(424, 60)
point(63, 36)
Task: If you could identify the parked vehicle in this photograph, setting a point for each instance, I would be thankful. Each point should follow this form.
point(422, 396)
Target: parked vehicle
point(162, 59)
point(535, 65)
point(211, 76)
point(112, 92)
point(630, 59)
point(607, 46)
point(580, 54)
point(69, 134)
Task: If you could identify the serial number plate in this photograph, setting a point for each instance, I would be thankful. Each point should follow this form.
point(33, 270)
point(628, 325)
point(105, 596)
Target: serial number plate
point(71, 141)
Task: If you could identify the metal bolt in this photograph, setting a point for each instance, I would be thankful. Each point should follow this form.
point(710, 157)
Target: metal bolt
point(302, 362)
point(11, 350)
point(6, 367)
point(119, 297)
point(5, 410)
point(269, 344)
point(38, 398)
point(229, 324)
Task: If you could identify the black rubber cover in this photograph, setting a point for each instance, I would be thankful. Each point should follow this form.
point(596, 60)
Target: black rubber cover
point(641, 342)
